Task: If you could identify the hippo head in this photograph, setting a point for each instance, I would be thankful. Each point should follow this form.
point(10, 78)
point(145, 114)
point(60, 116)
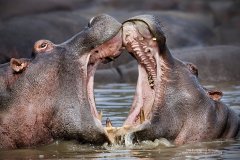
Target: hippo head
point(169, 101)
point(145, 41)
point(51, 95)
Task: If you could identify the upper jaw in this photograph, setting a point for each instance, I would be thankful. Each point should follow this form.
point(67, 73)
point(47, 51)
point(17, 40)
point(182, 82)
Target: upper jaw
point(148, 56)
point(100, 29)
point(140, 41)
point(86, 50)
point(110, 48)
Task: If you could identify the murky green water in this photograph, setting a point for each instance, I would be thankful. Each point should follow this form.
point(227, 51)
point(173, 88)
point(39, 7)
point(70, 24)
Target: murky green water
point(114, 100)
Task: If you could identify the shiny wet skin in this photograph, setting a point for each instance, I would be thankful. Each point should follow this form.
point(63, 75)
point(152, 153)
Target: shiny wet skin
point(114, 100)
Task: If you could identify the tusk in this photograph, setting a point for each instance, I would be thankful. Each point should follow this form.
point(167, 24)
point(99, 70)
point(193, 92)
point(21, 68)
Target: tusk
point(108, 123)
point(100, 115)
point(142, 116)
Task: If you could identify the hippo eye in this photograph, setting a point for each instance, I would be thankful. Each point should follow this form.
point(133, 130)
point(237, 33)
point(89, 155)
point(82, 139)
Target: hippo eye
point(43, 45)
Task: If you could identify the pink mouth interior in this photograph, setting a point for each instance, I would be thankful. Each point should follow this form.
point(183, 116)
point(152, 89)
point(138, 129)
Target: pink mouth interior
point(109, 49)
point(139, 41)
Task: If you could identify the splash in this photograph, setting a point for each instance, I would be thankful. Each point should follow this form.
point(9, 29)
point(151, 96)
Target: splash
point(127, 143)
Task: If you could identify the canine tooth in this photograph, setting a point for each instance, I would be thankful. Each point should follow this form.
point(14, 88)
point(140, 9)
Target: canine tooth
point(108, 123)
point(154, 38)
point(142, 116)
point(100, 115)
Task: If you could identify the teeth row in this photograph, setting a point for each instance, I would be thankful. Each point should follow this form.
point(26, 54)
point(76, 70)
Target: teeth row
point(141, 117)
point(143, 53)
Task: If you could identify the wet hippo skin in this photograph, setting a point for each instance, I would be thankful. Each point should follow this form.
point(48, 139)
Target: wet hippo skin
point(50, 96)
point(169, 101)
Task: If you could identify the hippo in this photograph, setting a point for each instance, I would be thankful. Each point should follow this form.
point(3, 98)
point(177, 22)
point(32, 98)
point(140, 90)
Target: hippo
point(50, 96)
point(169, 101)
point(214, 94)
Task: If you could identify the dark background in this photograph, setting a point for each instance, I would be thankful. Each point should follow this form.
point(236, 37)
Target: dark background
point(186, 23)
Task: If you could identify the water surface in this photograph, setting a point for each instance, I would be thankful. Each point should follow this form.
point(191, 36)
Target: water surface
point(114, 100)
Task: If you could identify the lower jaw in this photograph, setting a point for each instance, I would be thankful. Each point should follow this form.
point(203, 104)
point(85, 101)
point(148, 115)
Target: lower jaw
point(91, 69)
point(142, 103)
point(143, 99)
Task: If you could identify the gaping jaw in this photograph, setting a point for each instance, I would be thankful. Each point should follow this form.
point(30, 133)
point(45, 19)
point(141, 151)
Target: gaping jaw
point(103, 53)
point(140, 42)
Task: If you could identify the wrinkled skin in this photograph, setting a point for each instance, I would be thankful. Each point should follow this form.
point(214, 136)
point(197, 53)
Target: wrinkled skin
point(50, 96)
point(169, 101)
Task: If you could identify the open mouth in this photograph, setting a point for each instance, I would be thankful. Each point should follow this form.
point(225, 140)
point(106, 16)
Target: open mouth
point(101, 54)
point(139, 41)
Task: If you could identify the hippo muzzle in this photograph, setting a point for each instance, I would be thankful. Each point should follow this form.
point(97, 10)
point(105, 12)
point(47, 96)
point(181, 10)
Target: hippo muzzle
point(169, 101)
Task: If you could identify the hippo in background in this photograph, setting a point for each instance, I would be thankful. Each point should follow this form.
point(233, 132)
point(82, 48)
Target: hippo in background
point(15, 8)
point(186, 23)
point(17, 38)
point(57, 21)
point(50, 96)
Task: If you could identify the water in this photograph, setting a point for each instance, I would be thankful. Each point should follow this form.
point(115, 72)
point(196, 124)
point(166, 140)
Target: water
point(114, 101)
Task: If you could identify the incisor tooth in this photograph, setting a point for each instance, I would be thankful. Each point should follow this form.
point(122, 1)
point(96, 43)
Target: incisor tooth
point(154, 38)
point(108, 123)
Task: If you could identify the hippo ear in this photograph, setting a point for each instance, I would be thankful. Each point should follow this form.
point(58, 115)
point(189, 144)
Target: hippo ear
point(18, 65)
point(215, 95)
point(193, 68)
